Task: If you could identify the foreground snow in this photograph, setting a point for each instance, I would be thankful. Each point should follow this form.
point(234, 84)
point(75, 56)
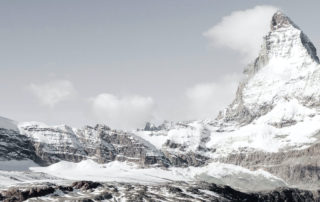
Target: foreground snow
point(288, 126)
point(127, 172)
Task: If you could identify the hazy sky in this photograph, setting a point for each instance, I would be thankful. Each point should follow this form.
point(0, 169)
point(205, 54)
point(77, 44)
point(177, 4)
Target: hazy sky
point(125, 62)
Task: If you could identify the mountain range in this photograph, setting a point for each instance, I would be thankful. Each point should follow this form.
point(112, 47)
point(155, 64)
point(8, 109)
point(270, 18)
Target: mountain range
point(264, 146)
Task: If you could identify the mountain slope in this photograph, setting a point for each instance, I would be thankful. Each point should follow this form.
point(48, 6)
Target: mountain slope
point(273, 122)
point(287, 68)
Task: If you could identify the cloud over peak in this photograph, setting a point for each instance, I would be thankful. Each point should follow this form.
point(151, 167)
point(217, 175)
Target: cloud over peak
point(243, 30)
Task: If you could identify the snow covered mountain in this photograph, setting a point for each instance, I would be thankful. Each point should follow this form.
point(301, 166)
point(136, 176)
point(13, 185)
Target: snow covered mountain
point(267, 138)
point(286, 69)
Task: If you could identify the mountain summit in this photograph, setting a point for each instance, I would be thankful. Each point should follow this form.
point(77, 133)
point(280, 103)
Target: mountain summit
point(287, 68)
point(281, 23)
point(280, 20)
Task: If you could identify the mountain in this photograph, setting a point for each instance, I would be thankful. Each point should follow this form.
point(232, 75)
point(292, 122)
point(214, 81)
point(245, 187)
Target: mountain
point(286, 69)
point(267, 138)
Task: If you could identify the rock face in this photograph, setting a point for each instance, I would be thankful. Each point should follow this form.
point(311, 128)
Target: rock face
point(47, 145)
point(13, 145)
point(298, 167)
point(92, 191)
point(100, 143)
point(14, 194)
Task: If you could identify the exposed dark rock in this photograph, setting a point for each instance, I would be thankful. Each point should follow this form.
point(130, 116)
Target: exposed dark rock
point(16, 146)
point(14, 194)
point(65, 188)
point(85, 185)
point(178, 191)
point(280, 20)
point(186, 159)
point(99, 143)
point(173, 145)
point(172, 189)
point(103, 196)
point(296, 167)
point(281, 194)
point(150, 127)
point(85, 200)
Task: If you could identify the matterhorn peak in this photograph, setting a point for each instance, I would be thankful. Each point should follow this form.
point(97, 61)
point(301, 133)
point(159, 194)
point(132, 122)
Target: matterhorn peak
point(287, 68)
point(280, 20)
point(286, 39)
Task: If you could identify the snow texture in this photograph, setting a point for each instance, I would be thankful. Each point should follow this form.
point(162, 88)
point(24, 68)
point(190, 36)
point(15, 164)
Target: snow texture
point(127, 172)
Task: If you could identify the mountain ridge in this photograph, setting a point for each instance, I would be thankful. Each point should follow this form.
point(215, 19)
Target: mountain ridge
point(285, 49)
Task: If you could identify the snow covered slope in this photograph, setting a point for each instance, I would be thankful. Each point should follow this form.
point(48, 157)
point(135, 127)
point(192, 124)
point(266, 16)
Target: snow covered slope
point(273, 122)
point(100, 143)
point(218, 173)
point(287, 68)
point(276, 106)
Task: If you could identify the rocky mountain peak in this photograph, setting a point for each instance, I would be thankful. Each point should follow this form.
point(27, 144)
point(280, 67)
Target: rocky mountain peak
point(280, 20)
point(287, 68)
point(286, 39)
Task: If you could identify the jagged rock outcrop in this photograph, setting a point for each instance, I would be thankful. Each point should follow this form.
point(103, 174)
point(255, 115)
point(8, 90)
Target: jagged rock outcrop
point(166, 125)
point(13, 145)
point(298, 167)
point(163, 192)
point(47, 145)
point(186, 159)
point(100, 143)
point(16, 195)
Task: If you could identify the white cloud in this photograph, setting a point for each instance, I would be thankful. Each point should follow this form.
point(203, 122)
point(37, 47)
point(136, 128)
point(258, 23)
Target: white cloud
point(243, 30)
point(127, 112)
point(205, 100)
point(52, 92)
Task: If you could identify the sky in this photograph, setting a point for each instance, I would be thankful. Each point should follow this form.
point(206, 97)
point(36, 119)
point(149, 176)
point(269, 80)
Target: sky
point(123, 63)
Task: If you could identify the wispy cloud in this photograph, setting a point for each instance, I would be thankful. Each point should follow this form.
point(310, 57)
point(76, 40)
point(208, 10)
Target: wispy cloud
point(205, 100)
point(243, 30)
point(128, 112)
point(52, 92)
